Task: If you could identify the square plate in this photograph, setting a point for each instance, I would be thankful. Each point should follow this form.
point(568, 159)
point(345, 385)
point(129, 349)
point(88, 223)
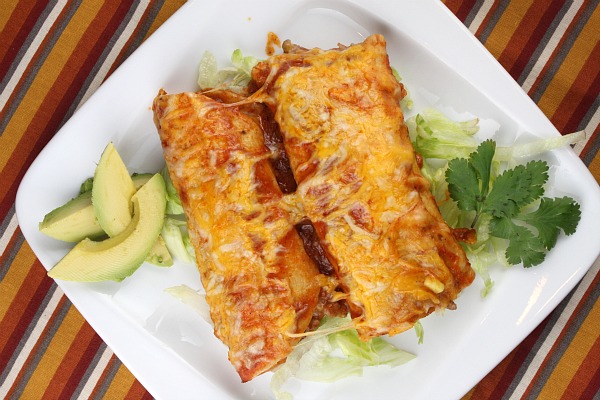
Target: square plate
point(166, 345)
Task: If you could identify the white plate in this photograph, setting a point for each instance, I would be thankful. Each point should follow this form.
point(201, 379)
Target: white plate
point(167, 346)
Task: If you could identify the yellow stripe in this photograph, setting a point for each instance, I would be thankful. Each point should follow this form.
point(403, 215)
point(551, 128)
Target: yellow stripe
point(48, 73)
point(506, 26)
point(15, 276)
point(570, 68)
point(578, 349)
point(7, 9)
point(120, 385)
point(54, 354)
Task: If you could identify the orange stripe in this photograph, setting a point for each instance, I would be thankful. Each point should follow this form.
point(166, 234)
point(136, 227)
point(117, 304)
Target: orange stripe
point(42, 86)
point(581, 345)
point(583, 89)
point(18, 287)
point(571, 64)
point(30, 359)
point(11, 20)
point(137, 391)
point(71, 362)
point(50, 361)
point(486, 21)
point(121, 384)
point(506, 27)
point(585, 373)
point(522, 33)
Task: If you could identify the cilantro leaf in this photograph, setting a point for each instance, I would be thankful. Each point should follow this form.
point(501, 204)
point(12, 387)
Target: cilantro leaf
point(481, 160)
point(516, 188)
point(463, 184)
point(552, 216)
point(529, 235)
point(468, 180)
point(523, 245)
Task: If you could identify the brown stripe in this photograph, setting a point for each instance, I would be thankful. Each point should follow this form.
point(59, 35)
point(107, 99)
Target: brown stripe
point(593, 388)
point(137, 391)
point(16, 31)
point(30, 369)
point(588, 371)
point(15, 323)
point(460, 8)
point(581, 95)
point(76, 362)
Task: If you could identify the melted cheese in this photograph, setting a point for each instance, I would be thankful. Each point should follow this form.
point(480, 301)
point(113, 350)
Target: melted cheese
point(260, 284)
point(345, 136)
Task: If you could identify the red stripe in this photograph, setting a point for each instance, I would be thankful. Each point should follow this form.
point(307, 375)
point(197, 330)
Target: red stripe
point(461, 8)
point(55, 107)
point(534, 33)
point(495, 384)
point(546, 367)
point(35, 353)
point(15, 32)
point(83, 363)
point(593, 388)
point(586, 83)
point(15, 323)
point(588, 371)
point(557, 50)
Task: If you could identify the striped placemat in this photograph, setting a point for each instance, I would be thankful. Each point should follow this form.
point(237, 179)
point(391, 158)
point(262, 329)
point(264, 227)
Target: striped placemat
point(54, 54)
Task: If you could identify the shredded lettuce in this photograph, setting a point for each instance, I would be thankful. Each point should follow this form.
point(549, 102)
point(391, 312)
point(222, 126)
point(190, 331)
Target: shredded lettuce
point(328, 357)
point(192, 298)
point(177, 239)
point(235, 77)
point(173, 201)
point(419, 331)
point(439, 139)
point(407, 102)
point(436, 136)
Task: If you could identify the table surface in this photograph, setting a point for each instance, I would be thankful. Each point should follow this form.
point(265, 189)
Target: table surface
point(53, 54)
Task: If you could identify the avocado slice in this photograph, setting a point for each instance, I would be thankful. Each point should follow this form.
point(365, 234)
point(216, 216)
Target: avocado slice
point(73, 221)
point(120, 256)
point(76, 220)
point(112, 191)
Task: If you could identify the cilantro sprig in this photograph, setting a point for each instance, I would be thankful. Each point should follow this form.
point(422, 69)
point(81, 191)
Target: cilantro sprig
point(530, 234)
